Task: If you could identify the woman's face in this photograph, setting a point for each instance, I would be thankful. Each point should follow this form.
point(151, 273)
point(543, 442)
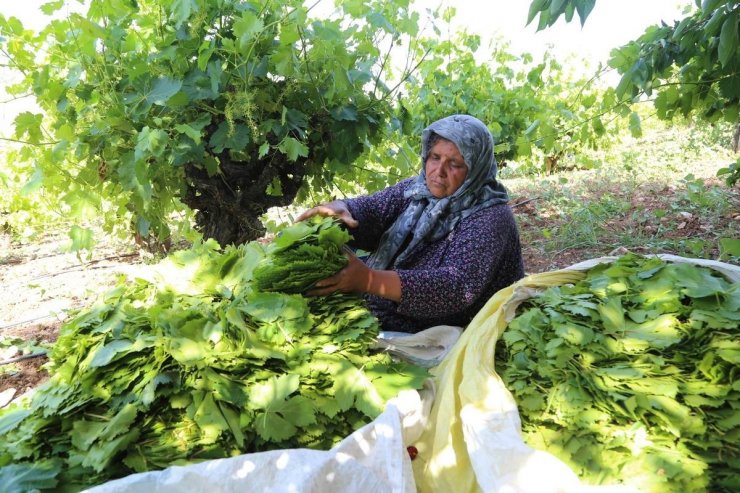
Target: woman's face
point(445, 169)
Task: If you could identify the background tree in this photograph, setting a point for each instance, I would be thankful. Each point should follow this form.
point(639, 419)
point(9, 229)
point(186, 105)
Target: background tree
point(539, 113)
point(690, 67)
point(534, 108)
point(226, 107)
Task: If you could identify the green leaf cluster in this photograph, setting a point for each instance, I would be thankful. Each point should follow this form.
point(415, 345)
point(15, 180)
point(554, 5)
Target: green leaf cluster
point(301, 255)
point(630, 375)
point(198, 365)
point(693, 64)
point(536, 111)
point(549, 11)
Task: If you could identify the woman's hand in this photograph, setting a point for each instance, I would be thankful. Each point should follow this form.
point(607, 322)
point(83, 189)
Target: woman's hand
point(335, 208)
point(356, 277)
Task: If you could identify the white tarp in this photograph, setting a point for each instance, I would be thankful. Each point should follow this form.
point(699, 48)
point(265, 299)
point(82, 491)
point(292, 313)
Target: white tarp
point(371, 460)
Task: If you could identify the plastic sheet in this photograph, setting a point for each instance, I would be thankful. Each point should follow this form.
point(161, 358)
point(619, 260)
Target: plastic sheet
point(371, 460)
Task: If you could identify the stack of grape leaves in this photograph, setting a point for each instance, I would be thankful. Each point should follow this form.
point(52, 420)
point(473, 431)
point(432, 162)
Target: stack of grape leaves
point(630, 376)
point(161, 373)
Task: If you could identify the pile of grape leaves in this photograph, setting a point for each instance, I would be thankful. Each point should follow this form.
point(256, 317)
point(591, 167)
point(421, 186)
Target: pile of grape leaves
point(630, 376)
point(198, 363)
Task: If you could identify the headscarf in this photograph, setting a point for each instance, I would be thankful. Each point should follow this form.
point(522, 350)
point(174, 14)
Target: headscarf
point(428, 218)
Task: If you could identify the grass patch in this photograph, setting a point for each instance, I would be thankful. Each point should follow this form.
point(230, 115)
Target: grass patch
point(645, 197)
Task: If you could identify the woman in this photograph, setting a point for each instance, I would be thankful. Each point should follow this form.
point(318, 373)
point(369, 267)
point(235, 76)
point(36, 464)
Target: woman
point(442, 242)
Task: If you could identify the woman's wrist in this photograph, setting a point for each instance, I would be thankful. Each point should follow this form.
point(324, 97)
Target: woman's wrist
point(384, 283)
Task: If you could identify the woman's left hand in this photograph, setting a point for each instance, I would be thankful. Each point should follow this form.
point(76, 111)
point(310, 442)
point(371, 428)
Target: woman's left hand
point(354, 278)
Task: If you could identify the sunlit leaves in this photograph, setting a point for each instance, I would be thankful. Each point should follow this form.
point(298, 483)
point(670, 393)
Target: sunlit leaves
point(81, 238)
point(630, 372)
point(728, 38)
point(190, 131)
point(278, 414)
point(35, 182)
point(150, 143)
point(531, 108)
point(285, 61)
point(182, 9)
point(28, 126)
point(133, 176)
point(550, 11)
point(293, 148)
point(352, 387)
point(199, 365)
point(162, 90)
point(246, 28)
point(729, 247)
point(697, 56)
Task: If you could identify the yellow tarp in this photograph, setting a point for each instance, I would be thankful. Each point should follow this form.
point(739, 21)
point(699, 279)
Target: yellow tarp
point(467, 385)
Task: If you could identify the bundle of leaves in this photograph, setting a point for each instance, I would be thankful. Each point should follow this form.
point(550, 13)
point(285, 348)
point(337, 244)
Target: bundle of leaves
point(153, 376)
point(630, 376)
point(301, 255)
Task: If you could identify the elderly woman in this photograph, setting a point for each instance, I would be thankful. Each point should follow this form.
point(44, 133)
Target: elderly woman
point(442, 242)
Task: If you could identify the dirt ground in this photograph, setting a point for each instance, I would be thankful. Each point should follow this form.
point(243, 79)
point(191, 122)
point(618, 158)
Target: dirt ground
point(41, 285)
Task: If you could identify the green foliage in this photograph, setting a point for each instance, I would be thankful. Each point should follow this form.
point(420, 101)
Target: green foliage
point(629, 376)
point(730, 249)
point(225, 107)
point(197, 364)
point(301, 255)
point(732, 171)
point(691, 66)
point(697, 57)
point(532, 108)
point(549, 11)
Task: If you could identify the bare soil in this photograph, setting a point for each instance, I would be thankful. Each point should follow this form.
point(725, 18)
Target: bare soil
point(42, 285)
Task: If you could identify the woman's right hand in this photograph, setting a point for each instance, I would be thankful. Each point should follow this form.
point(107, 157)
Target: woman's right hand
point(335, 208)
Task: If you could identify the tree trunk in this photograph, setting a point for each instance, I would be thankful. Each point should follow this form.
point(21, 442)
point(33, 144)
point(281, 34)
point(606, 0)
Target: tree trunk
point(228, 224)
point(229, 204)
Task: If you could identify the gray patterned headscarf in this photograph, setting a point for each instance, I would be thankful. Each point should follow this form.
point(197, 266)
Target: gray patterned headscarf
point(428, 218)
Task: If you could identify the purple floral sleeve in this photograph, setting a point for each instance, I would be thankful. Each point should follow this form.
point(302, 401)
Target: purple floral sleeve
point(452, 277)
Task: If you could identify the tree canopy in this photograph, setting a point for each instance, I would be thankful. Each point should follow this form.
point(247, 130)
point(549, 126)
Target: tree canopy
point(692, 66)
point(228, 107)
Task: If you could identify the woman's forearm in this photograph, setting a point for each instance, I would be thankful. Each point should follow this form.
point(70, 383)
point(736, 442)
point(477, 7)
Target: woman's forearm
point(357, 277)
point(384, 283)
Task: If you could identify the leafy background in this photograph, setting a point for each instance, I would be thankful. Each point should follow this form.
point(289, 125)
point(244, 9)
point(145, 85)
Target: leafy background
point(171, 119)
